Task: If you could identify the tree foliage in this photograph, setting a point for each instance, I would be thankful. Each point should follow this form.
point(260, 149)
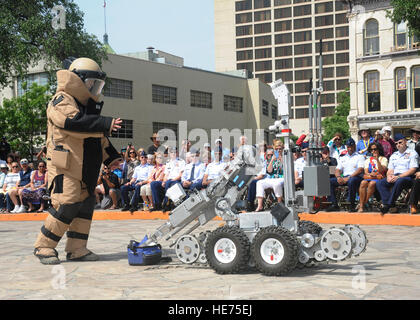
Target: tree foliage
point(24, 119)
point(27, 36)
point(406, 10)
point(338, 121)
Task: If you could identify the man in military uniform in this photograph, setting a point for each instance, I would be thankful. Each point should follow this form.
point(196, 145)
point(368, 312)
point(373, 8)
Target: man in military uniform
point(401, 168)
point(77, 145)
point(348, 172)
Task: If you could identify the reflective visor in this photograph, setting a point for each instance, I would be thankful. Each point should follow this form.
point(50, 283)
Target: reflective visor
point(95, 86)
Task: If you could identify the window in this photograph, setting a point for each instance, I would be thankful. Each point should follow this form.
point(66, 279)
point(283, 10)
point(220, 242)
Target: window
point(265, 77)
point(329, 85)
point(265, 108)
point(302, 10)
point(262, 41)
point(40, 79)
point(401, 88)
point(341, 18)
point(201, 99)
point(303, 49)
point(302, 23)
point(342, 71)
point(118, 88)
point(371, 37)
point(244, 17)
point(326, 72)
point(302, 87)
point(341, 6)
point(262, 15)
point(248, 66)
point(263, 65)
point(262, 28)
point(326, 46)
point(342, 45)
point(162, 94)
point(283, 51)
point(282, 2)
point(341, 32)
point(327, 111)
point(327, 98)
point(324, 21)
point(258, 4)
point(342, 57)
point(282, 13)
point(372, 91)
point(243, 5)
point(283, 25)
point(301, 1)
point(244, 55)
point(401, 35)
point(232, 103)
point(303, 74)
point(301, 113)
point(285, 76)
point(303, 36)
point(244, 43)
point(274, 112)
point(157, 126)
point(283, 38)
point(284, 63)
point(342, 84)
point(303, 62)
point(126, 130)
point(327, 59)
point(324, 34)
point(416, 86)
point(263, 53)
point(324, 7)
point(301, 101)
point(244, 30)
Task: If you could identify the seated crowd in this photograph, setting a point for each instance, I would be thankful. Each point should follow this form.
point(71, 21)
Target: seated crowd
point(377, 166)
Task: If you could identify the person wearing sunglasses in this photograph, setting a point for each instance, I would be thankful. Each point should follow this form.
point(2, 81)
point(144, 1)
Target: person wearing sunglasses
point(3, 174)
point(336, 146)
point(402, 166)
point(363, 144)
point(38, 188)
point(10, 184)
point(375, 170)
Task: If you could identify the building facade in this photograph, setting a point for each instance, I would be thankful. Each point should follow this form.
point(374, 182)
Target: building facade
point(149, 96)
point(384, 70)
point(280, 39)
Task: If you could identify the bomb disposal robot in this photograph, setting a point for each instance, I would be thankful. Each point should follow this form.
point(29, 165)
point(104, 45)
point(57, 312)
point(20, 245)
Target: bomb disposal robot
point(275, 241)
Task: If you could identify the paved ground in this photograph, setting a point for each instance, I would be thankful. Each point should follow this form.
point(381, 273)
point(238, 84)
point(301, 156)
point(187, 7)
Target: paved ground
point(390, 267)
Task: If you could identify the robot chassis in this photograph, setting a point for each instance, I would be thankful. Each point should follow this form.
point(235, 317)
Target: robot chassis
point(274, 241)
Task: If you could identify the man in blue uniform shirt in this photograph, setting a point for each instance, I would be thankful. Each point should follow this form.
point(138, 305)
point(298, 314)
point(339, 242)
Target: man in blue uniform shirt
point(193, 174)
point(402, 166)
point(348, 172)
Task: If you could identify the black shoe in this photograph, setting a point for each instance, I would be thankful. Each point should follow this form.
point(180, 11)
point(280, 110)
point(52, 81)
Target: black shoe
point(352, 208)
point(133, 208)
point(385, 209)
point(126, 208)
point(332, 208)
point(250, 207)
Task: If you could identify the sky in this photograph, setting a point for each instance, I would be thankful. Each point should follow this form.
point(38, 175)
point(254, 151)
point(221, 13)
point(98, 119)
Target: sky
point(181, 27)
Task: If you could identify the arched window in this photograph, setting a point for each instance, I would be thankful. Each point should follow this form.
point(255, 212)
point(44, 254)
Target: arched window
point(401, 35)
point(416, 86)
point(372, 91)
point(371, 37)
point(401, 88)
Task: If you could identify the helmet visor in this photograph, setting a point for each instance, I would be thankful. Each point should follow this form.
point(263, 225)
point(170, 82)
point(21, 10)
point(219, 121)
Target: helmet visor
point(95, 86)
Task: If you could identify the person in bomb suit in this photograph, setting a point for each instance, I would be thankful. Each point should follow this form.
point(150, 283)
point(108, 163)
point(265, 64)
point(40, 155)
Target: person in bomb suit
point(77, 145)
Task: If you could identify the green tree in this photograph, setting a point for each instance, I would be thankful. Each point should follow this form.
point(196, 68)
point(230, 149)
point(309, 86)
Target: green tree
point(24, 119)
point(406, 10)
point(28, 35)
point(338, 121)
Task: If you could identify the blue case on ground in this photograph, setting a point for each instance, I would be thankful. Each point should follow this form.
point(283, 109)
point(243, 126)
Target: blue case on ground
point(141, 256)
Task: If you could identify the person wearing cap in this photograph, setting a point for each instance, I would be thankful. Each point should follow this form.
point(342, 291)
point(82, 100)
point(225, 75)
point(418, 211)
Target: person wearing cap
point(402, 166)
point(77, 146)
point(365, 141)
point(387, 132)
point(3, 174)
point(140, 175)
point(415, 137)
point(156, 144)
point(348, 172)
point(172, 175)
point(327, 160)
point(24, 182)
point(386, 146)
point(214, 169)
point(193, 175)
point(336, 146)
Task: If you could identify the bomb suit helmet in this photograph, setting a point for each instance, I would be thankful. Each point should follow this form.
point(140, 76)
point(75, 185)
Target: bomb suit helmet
point(90, 73)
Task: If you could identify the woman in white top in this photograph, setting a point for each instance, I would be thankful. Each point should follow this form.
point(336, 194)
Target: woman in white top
point(375, 169)
point(10, 183)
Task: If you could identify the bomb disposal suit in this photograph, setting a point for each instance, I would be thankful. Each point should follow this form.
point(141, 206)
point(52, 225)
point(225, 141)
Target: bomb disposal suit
point(77, 145)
